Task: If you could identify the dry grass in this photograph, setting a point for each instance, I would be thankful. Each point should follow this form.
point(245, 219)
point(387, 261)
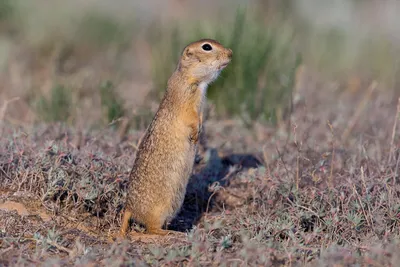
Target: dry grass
point(254, 199)
point(321, 192)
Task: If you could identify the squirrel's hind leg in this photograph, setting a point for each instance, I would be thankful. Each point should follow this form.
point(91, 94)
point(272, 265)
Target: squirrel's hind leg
point(125, 223)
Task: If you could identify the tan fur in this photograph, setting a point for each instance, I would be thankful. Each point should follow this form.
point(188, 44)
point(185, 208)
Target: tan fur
point(165, 158)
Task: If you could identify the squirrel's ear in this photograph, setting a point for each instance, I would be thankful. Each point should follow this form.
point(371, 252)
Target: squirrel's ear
point(188, 53)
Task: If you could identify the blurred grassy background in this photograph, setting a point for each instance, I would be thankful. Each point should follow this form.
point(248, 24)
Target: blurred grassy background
point(109, 60)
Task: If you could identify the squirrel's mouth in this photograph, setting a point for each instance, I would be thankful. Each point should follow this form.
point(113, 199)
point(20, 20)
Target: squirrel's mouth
point(223, 66)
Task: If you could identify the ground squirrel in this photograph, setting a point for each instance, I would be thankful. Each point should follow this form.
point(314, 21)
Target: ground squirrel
point(166, 154)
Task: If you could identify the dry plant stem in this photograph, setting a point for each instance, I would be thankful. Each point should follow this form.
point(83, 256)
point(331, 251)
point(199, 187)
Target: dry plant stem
point(59, 247)
point(396, 118)
point(297, 158)
point(123, 129)
point(3, 112)
point(333, 156)
point(216, 189)
point(4, 251)
point(368, 203)
point(283, 162)
point(297, 171)
point(113, 122)
point(361, 205)
point(265, 157)
point(358, 111)
point(395, 172)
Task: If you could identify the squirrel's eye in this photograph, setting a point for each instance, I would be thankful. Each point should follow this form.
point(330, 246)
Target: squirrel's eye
point(207, 47)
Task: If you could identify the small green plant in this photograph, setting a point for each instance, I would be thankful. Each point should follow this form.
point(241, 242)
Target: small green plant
point(58, 106)
point(259, 79)
point(111, 103)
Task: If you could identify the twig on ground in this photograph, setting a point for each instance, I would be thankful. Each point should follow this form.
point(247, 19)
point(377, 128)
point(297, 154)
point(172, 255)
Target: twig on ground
point(59, 247)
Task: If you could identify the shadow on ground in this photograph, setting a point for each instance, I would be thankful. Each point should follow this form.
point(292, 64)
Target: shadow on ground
point(212, 172)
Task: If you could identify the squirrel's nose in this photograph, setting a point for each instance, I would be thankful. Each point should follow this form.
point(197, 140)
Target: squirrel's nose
point(229, 53)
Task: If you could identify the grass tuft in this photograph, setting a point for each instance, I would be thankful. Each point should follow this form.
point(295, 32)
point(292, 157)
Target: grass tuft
point(111, 103)
point(58, 107)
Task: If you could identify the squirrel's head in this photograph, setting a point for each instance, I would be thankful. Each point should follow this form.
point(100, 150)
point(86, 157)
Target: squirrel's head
point(203, 60)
